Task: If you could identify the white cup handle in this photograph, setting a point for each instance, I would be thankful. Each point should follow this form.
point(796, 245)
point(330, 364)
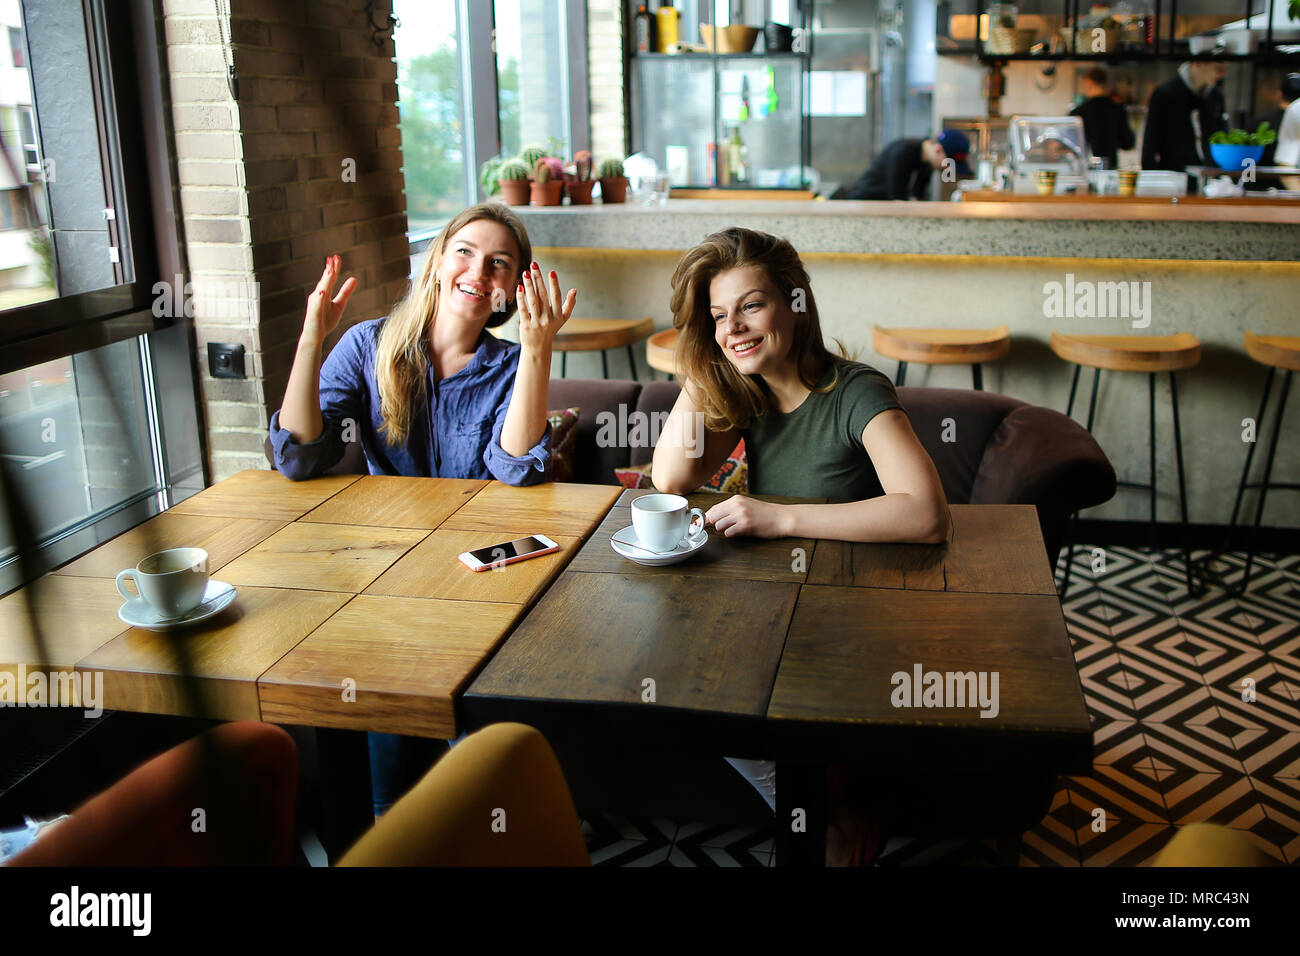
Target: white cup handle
point(693, 536)
point(121, 577)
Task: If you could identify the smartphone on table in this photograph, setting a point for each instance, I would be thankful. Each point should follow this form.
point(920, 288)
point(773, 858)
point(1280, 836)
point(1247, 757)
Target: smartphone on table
point(508, 552)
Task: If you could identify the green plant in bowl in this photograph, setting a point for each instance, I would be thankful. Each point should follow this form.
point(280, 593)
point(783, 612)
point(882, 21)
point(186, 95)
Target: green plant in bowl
point(1263, 135)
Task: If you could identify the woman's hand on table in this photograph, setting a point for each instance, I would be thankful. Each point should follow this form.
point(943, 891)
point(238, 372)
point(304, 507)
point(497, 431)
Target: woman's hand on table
point(740, 515)
point(324, 310)
point(542, 309)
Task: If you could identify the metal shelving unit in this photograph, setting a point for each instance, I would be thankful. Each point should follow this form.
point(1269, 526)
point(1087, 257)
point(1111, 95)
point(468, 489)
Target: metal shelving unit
point(686, 100)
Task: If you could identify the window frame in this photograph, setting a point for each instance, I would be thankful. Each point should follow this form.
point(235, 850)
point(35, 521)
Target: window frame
point(44, 331)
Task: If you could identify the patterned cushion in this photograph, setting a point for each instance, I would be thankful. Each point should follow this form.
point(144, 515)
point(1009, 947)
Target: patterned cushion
point(731, 478)
point(564, 439)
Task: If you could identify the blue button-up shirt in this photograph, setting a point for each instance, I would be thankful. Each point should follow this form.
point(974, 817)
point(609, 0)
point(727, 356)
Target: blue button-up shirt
point(456, 434)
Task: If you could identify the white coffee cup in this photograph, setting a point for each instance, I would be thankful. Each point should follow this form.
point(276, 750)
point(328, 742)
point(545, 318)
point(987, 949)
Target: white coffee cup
point(662, 522)
point(172, 581)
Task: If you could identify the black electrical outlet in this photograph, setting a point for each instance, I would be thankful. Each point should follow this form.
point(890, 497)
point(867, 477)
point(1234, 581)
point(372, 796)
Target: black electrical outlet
point(225, 361)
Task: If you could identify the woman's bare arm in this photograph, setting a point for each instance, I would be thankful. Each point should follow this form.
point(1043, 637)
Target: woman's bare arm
point(300, 411)
point(688, 454)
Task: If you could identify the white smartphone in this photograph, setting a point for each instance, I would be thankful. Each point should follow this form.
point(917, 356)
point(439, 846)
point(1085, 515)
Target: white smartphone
point(508, 552)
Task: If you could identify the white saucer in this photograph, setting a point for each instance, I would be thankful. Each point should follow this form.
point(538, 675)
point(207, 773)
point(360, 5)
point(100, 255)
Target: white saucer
point(140, 613)
point(621, 539)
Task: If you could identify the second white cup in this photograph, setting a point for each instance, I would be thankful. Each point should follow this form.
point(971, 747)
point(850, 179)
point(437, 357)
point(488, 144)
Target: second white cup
point(663, 522)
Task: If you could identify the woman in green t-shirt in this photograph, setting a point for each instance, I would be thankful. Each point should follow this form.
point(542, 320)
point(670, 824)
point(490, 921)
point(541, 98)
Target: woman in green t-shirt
point(815, 425)
point(754, 364)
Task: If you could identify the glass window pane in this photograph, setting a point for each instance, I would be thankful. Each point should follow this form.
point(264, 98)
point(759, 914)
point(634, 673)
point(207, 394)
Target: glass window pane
point(532, 91)
point(74, 437)
point(432, 124)
point(26, 273)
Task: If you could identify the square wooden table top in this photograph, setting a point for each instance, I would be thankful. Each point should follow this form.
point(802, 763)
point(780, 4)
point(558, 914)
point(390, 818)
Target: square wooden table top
point(352, 608)
point(793, 649)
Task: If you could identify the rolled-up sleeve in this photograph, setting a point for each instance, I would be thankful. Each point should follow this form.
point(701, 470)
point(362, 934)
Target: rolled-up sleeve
point(531, 468)
point(342, 385)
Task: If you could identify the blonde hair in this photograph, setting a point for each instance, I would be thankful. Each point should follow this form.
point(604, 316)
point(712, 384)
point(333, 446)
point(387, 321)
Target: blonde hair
point(729, 398)
point(401, 356)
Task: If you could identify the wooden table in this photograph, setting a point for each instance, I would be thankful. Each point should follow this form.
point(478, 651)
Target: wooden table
point(353, 611)
point(788, 650)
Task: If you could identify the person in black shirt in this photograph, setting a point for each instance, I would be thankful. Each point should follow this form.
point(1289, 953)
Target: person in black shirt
point(1181, 116)
point(903, 168)
point(1105, 123)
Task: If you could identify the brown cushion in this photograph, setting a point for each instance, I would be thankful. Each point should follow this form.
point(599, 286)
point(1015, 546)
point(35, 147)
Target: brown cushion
point(593, 464)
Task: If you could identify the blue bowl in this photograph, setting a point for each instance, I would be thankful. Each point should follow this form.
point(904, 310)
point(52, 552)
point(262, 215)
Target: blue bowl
point(1234, 157)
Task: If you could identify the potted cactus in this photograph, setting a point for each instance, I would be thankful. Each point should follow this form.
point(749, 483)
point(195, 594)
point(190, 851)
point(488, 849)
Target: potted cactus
point(512, 175)
point(579, 185)
point(531, 153)
point(546, 188)
point(613, 184)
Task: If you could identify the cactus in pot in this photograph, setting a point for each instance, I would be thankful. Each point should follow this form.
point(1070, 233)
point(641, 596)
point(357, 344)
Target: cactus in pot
point(512, 175)
point(580, 183)
point(613, 184)
point(546, 189)
point(531, 153)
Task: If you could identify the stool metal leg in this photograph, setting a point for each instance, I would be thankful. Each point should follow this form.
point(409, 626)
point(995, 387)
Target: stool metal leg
point(1268, 474)
point(901, 377)
point(977, 373)
point(1194, 587)
point(1151, 424)
point(1074, 387)
point(631, 360)
point(1092, 402)
point(564, 364)
point(1250, 454)
point(604, 364)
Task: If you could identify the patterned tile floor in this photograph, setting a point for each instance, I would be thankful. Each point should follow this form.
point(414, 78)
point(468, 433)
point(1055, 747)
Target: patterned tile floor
point(1195, 704)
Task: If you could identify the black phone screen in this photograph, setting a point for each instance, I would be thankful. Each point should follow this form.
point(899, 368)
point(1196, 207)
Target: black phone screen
point(508, 549)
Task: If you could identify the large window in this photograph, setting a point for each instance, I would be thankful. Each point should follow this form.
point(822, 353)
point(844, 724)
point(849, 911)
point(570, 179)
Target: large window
point(430, 104)
point(98, 424)
point(479, 79)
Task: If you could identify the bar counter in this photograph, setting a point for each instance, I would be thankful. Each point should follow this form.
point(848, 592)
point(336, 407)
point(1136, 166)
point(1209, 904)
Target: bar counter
point(1213, 270)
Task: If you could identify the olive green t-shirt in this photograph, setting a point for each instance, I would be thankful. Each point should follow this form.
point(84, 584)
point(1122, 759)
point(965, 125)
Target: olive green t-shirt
point(816, 450)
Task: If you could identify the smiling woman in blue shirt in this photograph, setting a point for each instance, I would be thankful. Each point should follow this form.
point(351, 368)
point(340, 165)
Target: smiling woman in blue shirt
point(429, 391)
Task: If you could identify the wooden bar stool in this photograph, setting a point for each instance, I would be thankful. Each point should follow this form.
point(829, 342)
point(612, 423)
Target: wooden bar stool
point(661, 352)
point(971, 347)
point(1135, 353)
point(1276, 352)
point(599, 335)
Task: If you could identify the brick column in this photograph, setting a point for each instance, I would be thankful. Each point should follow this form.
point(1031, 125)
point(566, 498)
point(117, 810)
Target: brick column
point(305, 164)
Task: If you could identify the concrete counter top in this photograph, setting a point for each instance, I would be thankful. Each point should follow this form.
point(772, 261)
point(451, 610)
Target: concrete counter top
point(1105, 229)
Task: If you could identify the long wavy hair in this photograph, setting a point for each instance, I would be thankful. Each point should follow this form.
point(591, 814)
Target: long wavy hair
point(730, 398)
point(401, 356)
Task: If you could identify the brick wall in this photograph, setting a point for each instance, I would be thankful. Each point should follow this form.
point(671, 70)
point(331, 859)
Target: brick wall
point(267, 189)
point(605, 83)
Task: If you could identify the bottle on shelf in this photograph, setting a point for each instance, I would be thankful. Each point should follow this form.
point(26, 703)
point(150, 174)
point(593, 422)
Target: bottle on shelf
point(668, 20)
point(645, 30)
point(736, 157)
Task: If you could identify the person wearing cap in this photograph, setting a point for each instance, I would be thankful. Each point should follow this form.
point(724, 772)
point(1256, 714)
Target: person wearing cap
point(1105, 122)
point(1182, 115)
point(903, 168)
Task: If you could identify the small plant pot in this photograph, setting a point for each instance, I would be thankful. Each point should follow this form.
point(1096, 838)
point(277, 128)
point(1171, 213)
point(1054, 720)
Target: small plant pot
point(613, 189)
point(1235, 157)
point(515, 191)
point(547, 194)
point(580, 192)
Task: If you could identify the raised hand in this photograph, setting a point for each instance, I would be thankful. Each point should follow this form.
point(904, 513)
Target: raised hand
point(324, 311)
point(542, 310)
